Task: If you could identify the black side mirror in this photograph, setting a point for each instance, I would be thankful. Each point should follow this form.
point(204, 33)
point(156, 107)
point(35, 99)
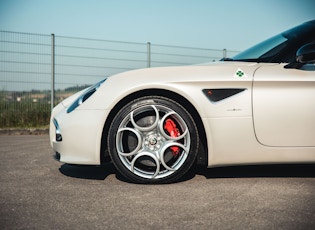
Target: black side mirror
point(306, 54)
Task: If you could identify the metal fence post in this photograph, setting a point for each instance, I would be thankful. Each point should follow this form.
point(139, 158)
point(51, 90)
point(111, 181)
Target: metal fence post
point(52, 100)
point(148, 54)
point(224, 53)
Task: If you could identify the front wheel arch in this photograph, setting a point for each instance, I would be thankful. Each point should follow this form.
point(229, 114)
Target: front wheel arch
point(202, 156)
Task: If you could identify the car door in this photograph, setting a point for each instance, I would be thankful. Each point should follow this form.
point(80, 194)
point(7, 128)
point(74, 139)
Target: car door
point(284, 105)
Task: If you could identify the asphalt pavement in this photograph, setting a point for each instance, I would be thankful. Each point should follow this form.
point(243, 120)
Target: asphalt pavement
point(37, 192)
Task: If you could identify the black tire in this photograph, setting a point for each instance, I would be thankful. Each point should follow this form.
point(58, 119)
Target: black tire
point(153, 139)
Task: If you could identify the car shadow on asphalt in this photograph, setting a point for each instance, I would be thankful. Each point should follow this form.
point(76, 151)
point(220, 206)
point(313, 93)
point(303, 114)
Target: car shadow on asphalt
point(87, 171)
point(250, 171)
point(259, 171)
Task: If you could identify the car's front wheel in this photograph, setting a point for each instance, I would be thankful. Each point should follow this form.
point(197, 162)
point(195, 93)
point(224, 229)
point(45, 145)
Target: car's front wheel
point(153, 139)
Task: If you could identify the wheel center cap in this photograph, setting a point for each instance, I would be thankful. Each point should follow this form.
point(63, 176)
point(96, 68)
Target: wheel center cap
point(152, 140)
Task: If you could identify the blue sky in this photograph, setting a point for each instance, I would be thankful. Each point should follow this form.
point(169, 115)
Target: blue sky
point(216, 24)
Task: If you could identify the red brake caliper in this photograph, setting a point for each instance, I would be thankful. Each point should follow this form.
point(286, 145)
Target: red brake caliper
point(170, 127)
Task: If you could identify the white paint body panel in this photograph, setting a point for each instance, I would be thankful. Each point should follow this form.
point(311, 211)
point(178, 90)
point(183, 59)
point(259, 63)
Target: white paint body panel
point(229, 124)
point(284, 106)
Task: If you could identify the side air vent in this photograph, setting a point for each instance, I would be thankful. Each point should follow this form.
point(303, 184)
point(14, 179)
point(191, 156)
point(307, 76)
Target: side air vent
point(215, 95)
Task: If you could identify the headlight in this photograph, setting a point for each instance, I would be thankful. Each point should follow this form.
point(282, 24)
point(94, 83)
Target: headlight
point(84, 96)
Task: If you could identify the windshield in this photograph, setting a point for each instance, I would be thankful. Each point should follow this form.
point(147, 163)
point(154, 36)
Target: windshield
point(262, 49)
point(280, 48)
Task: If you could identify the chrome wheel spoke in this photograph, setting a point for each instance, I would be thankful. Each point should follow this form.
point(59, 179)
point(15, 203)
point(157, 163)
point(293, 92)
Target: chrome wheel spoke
point(147, 154)
point(173, 115)
point(119, 142)
point(144, 109)
point(167, 146)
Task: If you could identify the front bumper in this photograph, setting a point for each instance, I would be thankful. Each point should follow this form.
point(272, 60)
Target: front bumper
point(76, 136)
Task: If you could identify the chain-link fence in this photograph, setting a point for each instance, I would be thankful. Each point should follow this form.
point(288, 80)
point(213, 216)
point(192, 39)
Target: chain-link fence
point(37, 70)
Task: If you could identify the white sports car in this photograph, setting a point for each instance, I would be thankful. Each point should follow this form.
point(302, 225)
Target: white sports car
point(155, 124)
